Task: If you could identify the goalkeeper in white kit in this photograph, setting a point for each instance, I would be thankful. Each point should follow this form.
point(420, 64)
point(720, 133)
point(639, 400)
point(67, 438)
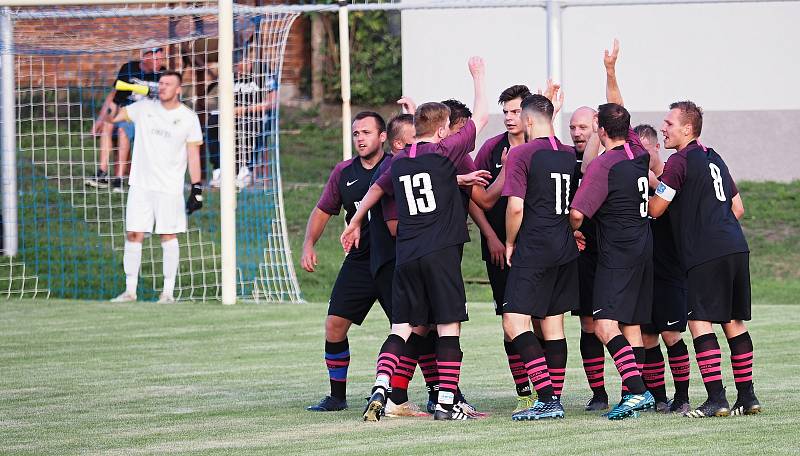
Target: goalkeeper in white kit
point(168, 137)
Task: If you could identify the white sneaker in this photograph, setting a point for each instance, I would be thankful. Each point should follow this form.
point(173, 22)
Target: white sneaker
point(125, 297)
point(165, 298)
point(244, 179)
point(216, 178)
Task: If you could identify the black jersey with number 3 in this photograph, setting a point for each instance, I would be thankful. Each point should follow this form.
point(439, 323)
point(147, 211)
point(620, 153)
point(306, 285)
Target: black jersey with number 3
point(697, 181)
point(430, 212)
point(540, 173)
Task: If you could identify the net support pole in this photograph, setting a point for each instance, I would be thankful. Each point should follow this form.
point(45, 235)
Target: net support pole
point(8, 157)
point(344, 63)
point(554, 8)
point(227, 198)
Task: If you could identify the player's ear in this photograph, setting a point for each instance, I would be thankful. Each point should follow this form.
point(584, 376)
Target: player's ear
point(382, 137)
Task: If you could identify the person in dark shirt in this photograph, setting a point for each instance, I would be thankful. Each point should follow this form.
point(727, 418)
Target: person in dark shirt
point(428, 287)
point(669, 302)
point(144, 72)
point(355, 290)
point(614, 193)
point(705, 208)
point(543, 282)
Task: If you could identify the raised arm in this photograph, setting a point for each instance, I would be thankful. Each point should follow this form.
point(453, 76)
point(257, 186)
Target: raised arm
point(480, 109)
point(613, 95)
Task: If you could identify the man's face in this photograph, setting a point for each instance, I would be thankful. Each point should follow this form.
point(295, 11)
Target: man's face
point(674, 133)
point(406, 137)
point(168, 88)
point(153, 61)
point(580, 128)
point(367, 139)
point(455, 127)
point(512, 116)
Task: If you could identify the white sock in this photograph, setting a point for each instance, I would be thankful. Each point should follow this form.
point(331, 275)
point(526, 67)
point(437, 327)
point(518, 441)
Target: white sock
point(131, 261)
point(171, 255)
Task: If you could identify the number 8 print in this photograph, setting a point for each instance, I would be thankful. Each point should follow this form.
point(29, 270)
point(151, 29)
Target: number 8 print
point(717, 176)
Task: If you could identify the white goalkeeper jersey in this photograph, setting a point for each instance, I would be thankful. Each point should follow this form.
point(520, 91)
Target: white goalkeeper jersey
point(159, 148)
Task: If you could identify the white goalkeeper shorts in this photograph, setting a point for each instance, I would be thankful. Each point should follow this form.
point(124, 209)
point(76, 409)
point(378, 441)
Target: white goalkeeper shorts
point(146, 207)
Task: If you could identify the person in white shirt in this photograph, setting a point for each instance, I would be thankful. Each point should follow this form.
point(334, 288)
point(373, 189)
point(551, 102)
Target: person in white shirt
point(168, 138)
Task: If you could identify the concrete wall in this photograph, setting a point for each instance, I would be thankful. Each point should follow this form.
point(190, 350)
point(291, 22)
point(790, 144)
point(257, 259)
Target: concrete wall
point(738, 62)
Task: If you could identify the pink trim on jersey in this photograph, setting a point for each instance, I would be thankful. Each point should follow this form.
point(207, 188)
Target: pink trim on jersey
point(628, 151)
point(413, 152)
point(553, 142)
point(704, 147)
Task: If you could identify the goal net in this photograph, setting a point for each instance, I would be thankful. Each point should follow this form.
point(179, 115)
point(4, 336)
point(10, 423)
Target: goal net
point(72, 173)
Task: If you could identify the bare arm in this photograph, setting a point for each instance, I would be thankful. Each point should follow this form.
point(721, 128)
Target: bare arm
point(352, 234)
point(193, 159)
point(513, 222)
point(613, 94)
point(121, 116)
point(656, 206)
point(314, 228)
point(480, 110)
point(737, 206)
point(591, 152)
point(575, 218)
point(496, 248)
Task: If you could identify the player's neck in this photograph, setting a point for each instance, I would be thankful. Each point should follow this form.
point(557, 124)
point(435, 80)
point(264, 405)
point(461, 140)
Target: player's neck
point(370, 162)
point(170, 105)
point(515, 140)
point(685, 144)
point(542, 131)
point(431, 139)
point(612, 143)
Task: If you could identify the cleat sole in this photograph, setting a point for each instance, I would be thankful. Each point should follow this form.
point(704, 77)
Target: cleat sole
point(373, 411)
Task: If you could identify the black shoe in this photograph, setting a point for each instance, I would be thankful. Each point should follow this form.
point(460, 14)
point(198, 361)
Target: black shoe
point(116, 185)
point(746, 403)
point(679, 405)
point(375, 406)
point(99, 180)
point(597, 403)
point(716, 405)
point(328, 404)
point(456, 414)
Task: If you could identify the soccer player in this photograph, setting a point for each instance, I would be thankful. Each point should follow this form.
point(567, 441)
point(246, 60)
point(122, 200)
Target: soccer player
point(145, 72)
point(543, 282)
point(355, 291)
point(669, 303)
point(705, 206)
point(428, 287)
point(614, 194)
point(168, 139)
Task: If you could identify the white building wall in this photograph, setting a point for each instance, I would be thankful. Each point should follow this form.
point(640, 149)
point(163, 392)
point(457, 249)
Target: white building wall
point(738, 61)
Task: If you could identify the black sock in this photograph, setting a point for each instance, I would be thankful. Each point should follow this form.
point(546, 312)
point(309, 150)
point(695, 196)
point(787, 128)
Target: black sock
point(405, 371)
point(593, 355)
point(337, 359)
point(742, 361)
point(532, 355)
point(518, 371)
point(426, 348)
point(653, 373)
point(391, 351)
point(448, 362)
point(679, 365)
point(709, 360)
point(625, 360)
point(555, 352)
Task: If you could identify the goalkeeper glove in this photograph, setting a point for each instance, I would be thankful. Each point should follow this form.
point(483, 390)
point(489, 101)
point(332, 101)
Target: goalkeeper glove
point(195, 200)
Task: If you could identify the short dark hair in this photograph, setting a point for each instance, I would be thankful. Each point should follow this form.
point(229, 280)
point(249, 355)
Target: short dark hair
point(172, 73)
point(539, 105)
point(516, 91)
point(690, 114)
point(458, 110)
point(395, 127)
point(615, 119)
point(646, 131)
point(378, 119)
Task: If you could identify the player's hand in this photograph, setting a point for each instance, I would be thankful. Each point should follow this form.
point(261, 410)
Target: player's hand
point(610, 58)
point(351, 236)
point(509, 253)
point(407, 105)
point(97, 127)
point(477, 68)
point(309, 259)
point(480, 177)
point(195, 200)
point(580, 240)
point(504, 157)
point(497, 251)
point(557, 100)
point(551, 90)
